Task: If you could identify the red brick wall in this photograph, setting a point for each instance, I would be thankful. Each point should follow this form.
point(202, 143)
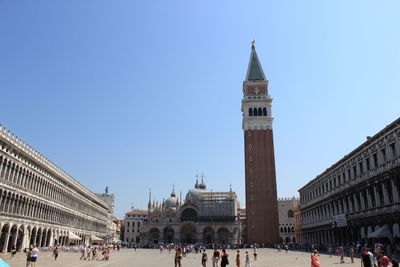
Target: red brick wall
point(261, 196)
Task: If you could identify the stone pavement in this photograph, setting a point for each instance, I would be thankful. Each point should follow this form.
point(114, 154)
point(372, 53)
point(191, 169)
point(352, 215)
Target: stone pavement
point(153, 258)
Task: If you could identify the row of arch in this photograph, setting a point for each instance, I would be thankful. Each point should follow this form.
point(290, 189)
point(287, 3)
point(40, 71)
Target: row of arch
point(188, 234)
point(25, 206)
point(286, 229)
point(254, 112)
point(29, 180)
point(379, 194)
point(21, 236)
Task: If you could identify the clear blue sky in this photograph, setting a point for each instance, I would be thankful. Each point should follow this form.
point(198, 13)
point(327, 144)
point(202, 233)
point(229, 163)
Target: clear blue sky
point(145, 94)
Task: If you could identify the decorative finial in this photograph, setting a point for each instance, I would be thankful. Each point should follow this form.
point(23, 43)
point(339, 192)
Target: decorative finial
point(253, 42)
point(173, 188)
point(230, 187)
point(106, 189)
point(202, 176)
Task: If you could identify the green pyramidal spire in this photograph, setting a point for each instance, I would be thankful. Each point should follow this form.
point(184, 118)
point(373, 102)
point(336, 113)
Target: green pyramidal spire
point(254, 71)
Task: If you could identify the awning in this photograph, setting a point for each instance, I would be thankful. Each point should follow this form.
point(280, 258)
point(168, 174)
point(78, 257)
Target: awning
point(384, 231)
point(95, 238)
point(72, 236)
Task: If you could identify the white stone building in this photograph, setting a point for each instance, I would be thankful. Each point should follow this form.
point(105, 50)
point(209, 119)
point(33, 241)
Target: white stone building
point(134, 220)
point(41, 204)
point(287, 222)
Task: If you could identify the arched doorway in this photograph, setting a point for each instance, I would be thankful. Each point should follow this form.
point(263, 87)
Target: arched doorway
point(208, 235)
point(32, 241)
point(169, 234)
point(223, 235)
point(20, 237)
point(188, 233)
point(155, 235)
point(4, 236)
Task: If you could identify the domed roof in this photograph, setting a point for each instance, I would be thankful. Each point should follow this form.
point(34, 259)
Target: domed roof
point(171, 201)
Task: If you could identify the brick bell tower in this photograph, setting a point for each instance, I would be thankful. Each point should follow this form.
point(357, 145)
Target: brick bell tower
point(262, 222)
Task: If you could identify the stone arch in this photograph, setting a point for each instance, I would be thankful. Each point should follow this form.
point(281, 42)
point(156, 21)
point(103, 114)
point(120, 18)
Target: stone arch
point(287, 240)
point(223, 235)
point(20, 237)
point(38, 237)
point(188, 233)
point(32, 240)
point(4, 237)
point(264, 111)
point(154, 235)
point(189, 215)
point(169, 234)
point(208, 235)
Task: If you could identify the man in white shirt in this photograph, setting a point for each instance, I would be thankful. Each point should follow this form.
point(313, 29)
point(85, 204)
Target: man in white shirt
point(34, 255)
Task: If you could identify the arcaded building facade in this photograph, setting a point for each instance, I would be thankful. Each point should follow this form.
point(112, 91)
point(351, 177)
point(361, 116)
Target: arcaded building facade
point(42, 205)
point(203, 217)
point(287, 221)
point(357, 195)
point(262, 222)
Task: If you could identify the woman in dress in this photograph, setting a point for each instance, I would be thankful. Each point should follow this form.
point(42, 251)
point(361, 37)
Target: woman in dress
point(314, 259)
point(237, 258)
point(247, 262)
point(224, 258)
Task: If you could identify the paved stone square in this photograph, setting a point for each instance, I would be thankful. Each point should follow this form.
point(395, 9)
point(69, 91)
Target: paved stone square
point(153, 258)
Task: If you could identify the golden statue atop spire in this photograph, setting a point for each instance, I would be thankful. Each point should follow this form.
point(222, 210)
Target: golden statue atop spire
point(253, 42)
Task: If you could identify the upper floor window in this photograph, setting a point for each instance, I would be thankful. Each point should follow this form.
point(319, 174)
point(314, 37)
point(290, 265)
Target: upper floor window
point(383, 155)
point(393, 148)
point(375, 157)
point(250, 112)
point(264, 111)
point(290, 214)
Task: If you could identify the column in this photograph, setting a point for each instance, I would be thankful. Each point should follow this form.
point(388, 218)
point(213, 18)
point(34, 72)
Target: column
point(362, 201)
point(378, 200)
point(51, 243)
point(385, 194)
point(395, 191)
point(7, 237)
point(350, 204)
point(356, 208)
point(369, 199)
point(343, 200)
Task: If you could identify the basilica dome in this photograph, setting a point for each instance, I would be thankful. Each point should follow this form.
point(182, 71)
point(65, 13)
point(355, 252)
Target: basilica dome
point(170, 203)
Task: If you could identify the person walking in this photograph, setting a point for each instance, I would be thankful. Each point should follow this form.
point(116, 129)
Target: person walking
point(366, 259)
point(237, 258)
point(34, 256)
point(204, 258)
point(83, 249)
point(56, 251)
point(383, 259)
point(314, 259)
point(215, 258)
point(29, 256)
point(255, 252)
point(178, 257)
point(224, 258)
point(13, 251)
point(247, 261)
point(351, 251)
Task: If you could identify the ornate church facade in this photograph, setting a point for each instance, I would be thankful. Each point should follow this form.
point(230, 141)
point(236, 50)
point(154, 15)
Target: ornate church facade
point(203, 217)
